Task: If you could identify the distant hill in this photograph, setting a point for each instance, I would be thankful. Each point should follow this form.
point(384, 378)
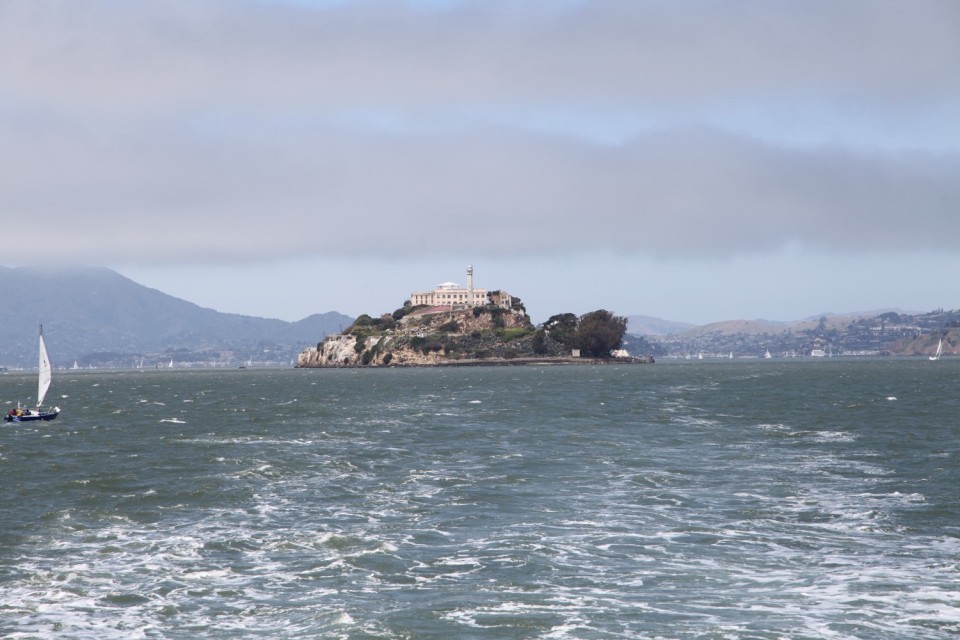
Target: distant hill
point(96, 316)
point(858, 334)
point(649, 326)
point(825, 321)
point(730, 327)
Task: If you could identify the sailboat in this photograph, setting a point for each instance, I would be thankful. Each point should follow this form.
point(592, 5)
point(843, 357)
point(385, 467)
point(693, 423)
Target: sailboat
point(45, 377)
point(936, 356)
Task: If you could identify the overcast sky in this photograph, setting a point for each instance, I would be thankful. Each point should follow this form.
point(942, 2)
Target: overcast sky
point(692, 160)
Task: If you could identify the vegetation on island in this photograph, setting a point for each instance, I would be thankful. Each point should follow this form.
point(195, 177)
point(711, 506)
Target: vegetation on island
point(414, 335)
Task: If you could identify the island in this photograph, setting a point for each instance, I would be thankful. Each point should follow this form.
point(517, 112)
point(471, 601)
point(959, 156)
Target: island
point(466, 326)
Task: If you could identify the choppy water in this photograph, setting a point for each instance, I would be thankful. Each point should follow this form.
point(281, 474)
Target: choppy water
point(708, 500)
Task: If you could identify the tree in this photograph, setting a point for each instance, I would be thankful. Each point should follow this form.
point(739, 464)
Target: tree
point(562, 328)
point(822, 324)
point(600, 332)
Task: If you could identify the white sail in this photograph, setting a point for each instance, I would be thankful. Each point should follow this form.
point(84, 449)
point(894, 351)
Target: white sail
point(939, 350)
point(46, 375)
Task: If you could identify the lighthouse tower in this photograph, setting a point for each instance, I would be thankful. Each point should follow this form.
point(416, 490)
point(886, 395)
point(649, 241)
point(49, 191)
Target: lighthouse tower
point(470, 285)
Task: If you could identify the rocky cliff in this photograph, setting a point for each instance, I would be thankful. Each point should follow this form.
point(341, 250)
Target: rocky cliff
point(430, 338)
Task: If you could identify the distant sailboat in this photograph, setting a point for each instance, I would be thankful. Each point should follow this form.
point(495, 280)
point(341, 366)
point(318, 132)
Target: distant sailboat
point(44, 379)
point(936, 356)
point(766, 354)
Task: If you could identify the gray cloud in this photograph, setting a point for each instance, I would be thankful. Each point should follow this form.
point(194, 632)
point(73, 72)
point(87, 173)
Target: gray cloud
point(676, 193)
point(185, 130)
point(174, 54)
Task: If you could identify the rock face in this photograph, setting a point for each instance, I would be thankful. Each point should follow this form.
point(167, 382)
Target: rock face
point(335, 350)
point(440, 337)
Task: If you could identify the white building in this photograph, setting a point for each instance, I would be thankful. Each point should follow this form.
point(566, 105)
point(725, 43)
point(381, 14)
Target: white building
point(451, 294)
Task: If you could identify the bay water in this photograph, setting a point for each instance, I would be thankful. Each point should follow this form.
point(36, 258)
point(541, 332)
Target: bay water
point(735, 499)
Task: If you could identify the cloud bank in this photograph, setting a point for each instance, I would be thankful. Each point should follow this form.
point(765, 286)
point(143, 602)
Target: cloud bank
point(223, 131)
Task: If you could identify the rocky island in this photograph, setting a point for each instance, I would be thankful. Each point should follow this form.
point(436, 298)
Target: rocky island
point(465, 326)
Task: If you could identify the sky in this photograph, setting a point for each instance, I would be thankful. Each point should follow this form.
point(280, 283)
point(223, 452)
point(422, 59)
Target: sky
point(692, 160)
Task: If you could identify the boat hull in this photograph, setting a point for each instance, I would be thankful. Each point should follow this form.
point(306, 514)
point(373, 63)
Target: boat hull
point(32, 417)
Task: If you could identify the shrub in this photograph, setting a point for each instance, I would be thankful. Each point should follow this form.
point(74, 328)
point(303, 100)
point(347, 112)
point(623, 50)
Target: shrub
point(425, 345)
point(539, 343)
point(363, 321)
point(496, 316)
point(513, 334)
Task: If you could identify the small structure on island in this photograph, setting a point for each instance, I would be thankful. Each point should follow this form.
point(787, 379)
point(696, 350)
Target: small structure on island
point(451, 294)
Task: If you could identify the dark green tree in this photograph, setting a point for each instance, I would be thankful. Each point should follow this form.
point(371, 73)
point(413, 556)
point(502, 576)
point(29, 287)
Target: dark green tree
point(600, 332)
point(357, 327)
point(562, 328)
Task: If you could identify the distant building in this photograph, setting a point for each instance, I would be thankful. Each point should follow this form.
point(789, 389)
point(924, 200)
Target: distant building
point(451, 294)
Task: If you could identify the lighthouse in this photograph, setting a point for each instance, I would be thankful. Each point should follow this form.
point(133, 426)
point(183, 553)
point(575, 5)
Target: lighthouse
point(470, 285)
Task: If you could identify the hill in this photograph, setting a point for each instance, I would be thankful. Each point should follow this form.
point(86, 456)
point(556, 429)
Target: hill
point(734, 327)
point(97, 317)
point(650, 326)
point(868, 333)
